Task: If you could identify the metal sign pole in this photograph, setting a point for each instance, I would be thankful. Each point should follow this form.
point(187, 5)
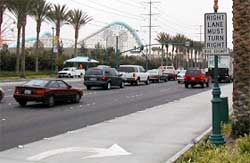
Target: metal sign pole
point(216, 138)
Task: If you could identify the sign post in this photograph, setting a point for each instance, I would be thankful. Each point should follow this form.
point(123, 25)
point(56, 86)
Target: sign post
point(215, 38)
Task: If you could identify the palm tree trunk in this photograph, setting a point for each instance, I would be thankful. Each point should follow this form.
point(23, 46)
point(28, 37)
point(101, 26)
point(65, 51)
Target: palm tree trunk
point(22, 75)
point(241, 85)
point(58, 44)
point(18, 49)
point(76, 38)
point(162, 54)
point(37, 52)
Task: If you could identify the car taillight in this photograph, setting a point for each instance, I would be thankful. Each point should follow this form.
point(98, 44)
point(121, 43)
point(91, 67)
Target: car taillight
point(39, 92)
point(134, 75)
point(201, 77)
point(16, 91)
point(185, 77)
point(104, 78)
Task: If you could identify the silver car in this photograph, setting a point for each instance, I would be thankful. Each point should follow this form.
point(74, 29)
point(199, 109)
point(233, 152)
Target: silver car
point(180, 76)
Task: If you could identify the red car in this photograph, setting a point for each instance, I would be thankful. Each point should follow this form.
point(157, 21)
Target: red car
point(196, 76)
point(46, 91)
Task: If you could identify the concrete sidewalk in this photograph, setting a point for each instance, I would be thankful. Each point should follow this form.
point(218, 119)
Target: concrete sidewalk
point(150, 136)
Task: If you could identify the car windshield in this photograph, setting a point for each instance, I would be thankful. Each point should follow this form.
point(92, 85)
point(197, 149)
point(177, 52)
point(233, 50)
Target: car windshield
point(126, 69)
point(193, 72)
point(182, 72)
point(94, 71)
point(38, 83)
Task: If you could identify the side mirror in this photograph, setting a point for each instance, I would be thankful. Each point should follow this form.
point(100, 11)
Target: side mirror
point(69, 86)
point(119, 75)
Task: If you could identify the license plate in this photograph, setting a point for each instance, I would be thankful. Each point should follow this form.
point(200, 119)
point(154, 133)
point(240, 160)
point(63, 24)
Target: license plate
point(192, 78)
point(92, 79)
point(27, 92)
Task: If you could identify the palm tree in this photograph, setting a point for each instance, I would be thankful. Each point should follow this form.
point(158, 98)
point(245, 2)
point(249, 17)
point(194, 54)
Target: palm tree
point(20, 9)
point(58, 15)
point(179, 41)
point(241, 85)
point(40, 13)
point(167, 40)
point(161, 38)
point(77, 19)
point(2, 9)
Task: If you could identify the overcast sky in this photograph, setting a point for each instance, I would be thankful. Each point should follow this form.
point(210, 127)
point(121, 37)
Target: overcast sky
point(171, 16)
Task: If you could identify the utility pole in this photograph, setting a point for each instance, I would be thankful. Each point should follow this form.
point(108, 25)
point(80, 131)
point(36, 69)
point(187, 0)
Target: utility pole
point(150, 26)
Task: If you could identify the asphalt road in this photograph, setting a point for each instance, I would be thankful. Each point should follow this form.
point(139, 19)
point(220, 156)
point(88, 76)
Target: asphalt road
point(22, 125)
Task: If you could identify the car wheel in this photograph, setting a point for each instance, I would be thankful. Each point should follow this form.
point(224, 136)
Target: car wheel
point(147, 82)
point(108, 86)
point(122, 84)
point(77, 98)
point(50, 101)
point(137, 82)
point(179, 82)
point(186, 85)
point(88, 87)
point(1, 96)
point(22, 103)
point(202, 85)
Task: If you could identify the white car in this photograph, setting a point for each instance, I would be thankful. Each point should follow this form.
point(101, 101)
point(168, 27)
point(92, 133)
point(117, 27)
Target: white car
point(1, 94)
point(71, 72)
point(133, 74)
point(180, 76)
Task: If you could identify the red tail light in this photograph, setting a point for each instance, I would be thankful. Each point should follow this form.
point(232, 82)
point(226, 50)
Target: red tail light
point(16, 91)
point(185, 77)
point(39, 92)
point(134, 75)
point(104, 78)
point(201, 77)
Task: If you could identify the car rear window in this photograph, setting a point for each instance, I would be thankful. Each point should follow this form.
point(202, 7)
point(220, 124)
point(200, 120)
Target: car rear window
point(193, 72)
point(94, 71)
point(126, 69)
point(152, 72)
point(37, 83)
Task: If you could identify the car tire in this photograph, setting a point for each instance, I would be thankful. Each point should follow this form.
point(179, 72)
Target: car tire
point(88, 87)
point(147, 82)
point(50, 101)
point(77, 98)
point(186, 85)
point(22, 103)
point(202, 85)
point(137, 82)
point(122, 84)
point(1, 96)
point(108, 86)
point(179, 82)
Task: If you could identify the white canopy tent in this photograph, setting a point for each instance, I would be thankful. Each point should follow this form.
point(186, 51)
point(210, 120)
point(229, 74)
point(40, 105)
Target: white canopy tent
point(81, 59)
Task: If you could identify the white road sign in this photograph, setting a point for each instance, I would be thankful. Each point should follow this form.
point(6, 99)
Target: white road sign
point(216, 51)
point(216, 31)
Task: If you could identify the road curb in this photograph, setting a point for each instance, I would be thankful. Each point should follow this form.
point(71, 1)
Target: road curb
point(188, 146)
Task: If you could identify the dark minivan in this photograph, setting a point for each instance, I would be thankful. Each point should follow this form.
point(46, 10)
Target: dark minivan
point(104, 77)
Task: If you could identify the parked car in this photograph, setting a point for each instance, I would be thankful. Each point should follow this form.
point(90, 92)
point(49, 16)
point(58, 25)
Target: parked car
point(1, 94)
point(196, 76)
point(170, 73)
point(104, 77)
point(134, 74)
point(71, 72)
point(156, 75)
point(47, 91)
point(180, 76)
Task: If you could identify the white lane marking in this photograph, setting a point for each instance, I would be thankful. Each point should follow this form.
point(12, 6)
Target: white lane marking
point(114, 150)
point(3, 119)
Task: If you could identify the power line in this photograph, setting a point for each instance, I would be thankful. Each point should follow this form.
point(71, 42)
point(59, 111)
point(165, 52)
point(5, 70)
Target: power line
point(105, 11)
point(150, 26)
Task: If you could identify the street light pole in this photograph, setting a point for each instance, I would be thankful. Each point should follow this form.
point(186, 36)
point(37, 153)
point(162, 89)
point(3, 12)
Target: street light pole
point(52, 51)
point(216, 137)
point(117, 61)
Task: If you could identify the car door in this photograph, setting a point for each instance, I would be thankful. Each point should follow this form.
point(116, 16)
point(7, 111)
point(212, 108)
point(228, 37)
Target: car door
point(65, 91)
point(117, 78)
point(142, 74)
point(54, 89)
